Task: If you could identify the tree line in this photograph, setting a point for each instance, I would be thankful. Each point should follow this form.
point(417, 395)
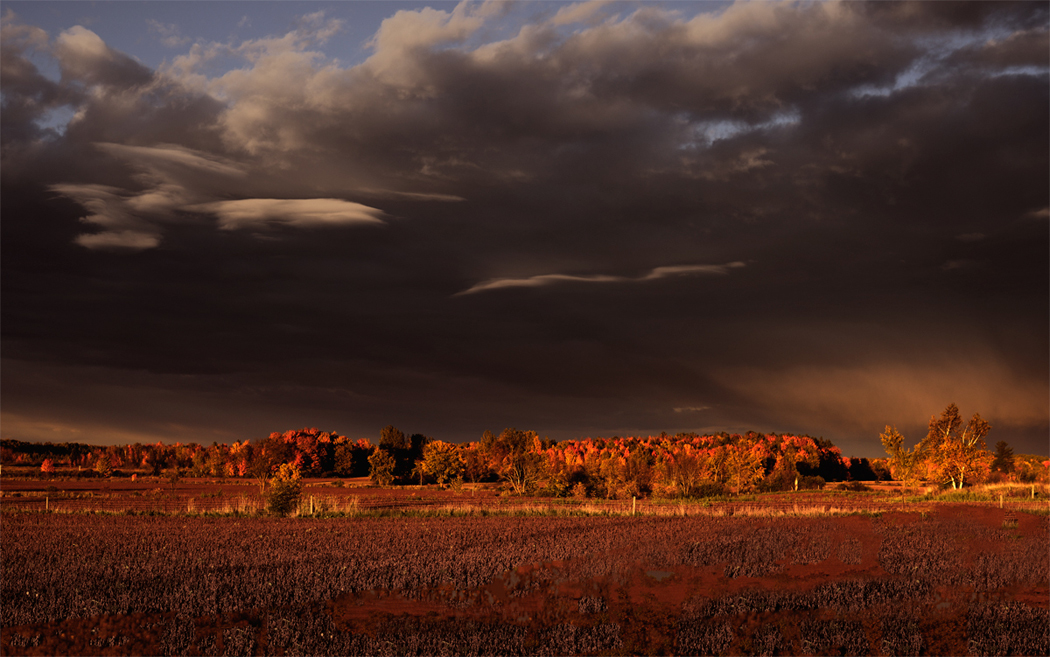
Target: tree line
point(682, 465)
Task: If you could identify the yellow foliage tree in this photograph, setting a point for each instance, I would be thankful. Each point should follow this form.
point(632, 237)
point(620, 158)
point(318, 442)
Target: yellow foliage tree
point(954, 450)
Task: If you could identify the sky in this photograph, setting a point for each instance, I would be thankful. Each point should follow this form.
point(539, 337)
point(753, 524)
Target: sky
point(221, 220)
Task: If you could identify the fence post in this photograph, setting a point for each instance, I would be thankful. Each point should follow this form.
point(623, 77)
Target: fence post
point(634, 504)
point(47, 503)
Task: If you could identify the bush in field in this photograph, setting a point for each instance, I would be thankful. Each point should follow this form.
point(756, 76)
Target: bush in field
point(48, 467)
point(854, 486)
point(285, 489)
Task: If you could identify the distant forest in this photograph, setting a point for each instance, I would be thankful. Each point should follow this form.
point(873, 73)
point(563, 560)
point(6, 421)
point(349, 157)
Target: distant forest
point(682, 465)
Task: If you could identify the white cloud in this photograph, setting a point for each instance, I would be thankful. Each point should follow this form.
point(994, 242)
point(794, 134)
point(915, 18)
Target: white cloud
point(78, 48)
point(122, 240)
point(179, 179)
point(174, 178)
point(83, 55)
point(262, 212)
point(156, 157)
point(552, 279)
point(685, 270)
point(14, 33)
point(408, 34)
point(105, 203)
point(108, 208)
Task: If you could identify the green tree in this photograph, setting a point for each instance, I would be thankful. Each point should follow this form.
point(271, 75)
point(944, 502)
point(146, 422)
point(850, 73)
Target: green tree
point(285, 489)
point(381, 467)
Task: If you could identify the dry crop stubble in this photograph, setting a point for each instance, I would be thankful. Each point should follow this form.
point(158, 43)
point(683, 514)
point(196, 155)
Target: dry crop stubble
point(956, 581)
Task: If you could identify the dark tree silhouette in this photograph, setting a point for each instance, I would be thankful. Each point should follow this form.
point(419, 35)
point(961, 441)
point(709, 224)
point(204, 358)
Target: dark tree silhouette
point(1004, 458)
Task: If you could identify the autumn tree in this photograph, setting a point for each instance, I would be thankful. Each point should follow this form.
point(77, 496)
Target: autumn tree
point(955, 449)
point(791, 455)
point(48, 467)
point(442, 461)
point(522, 470)
point(745, 465)
point(904, 463)
point(475, 466)
point(104, 465)
point(520, 463)
point(625, 476)
point(683, 472)
point(264, 461)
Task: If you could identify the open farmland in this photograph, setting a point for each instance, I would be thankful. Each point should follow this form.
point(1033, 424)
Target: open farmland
point(954, 579)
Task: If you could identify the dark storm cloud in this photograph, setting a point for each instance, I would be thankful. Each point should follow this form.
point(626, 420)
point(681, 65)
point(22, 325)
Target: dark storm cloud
point(617, 220)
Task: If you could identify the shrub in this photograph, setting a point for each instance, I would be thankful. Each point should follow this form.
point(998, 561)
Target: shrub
point(285, 489)
point(813, 483)
point(709, 489)
point(103, 465)
point(853, 486)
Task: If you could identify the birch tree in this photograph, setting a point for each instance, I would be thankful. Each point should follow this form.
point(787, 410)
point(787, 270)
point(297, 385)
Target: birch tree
point(954, 449)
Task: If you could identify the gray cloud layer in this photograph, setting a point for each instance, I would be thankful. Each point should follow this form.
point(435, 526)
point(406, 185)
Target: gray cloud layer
point(461, 233)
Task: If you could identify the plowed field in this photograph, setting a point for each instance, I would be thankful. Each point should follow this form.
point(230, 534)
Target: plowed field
point(957, 579)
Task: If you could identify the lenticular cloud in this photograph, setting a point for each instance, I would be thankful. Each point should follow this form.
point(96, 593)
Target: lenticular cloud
point(264, 212)
point(552, 279)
